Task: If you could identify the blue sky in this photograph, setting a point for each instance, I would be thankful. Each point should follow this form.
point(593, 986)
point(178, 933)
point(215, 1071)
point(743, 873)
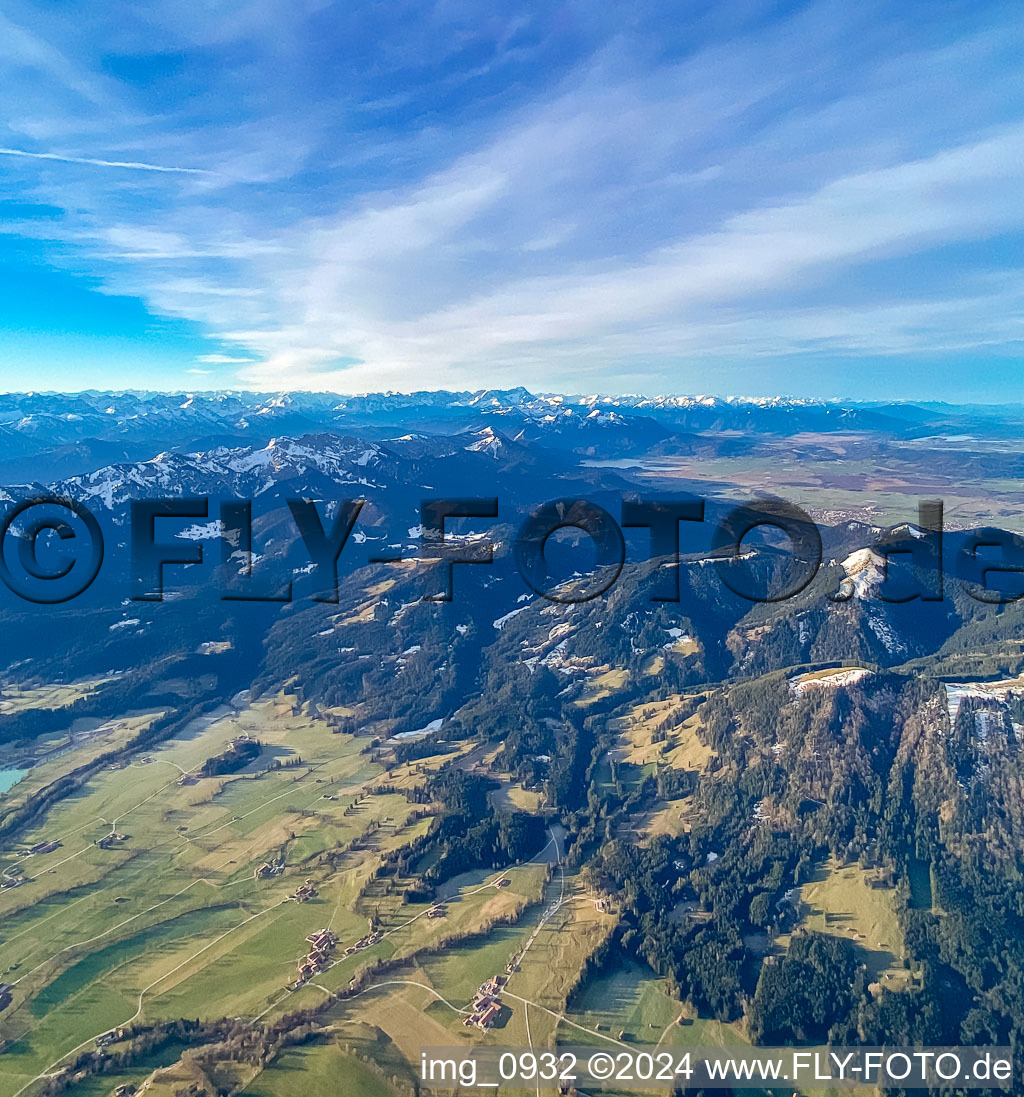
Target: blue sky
point(821, 199)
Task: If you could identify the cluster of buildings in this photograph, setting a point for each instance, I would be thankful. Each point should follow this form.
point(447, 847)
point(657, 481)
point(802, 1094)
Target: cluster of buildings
point(437, 911)
point(15, 880)
point(364, 942)
point(321, 946)
point(486, 1004)
point(111, 839)
point(268, 869)
point(304, 892)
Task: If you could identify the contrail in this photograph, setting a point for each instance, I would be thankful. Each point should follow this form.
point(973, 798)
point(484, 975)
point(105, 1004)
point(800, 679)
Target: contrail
point(132, 165)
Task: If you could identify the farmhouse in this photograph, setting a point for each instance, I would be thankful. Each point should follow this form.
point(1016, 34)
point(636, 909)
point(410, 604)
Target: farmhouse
point(304, 892)
point(45, 847)
point(486, 1003)
point(319, 958)
point(322, 939)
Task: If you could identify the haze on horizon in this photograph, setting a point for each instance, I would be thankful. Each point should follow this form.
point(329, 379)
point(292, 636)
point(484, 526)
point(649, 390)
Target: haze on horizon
point(814, 199)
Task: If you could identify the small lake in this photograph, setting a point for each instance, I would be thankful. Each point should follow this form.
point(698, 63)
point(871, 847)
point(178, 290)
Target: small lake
point(10, 777)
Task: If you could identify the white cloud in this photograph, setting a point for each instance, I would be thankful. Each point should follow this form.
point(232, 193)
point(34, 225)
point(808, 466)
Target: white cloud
point(607, 316)
point(131, 165)
point(766, 194)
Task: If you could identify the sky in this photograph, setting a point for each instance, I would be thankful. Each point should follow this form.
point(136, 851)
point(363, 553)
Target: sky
point(737, 197)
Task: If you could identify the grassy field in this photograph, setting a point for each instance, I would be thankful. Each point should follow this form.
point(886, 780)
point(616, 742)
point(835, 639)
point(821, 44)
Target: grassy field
point(15, 698)
point(655, 730)
point(170, 921)
point(513, 797)
point(50, 756)
point(628, 1000)
point(654, 734)
point(840, 901)
point(837, 483)
point(321, 1069)
point(670, 817)
point(103, 1085)
point(602, 684)
point(631, 1003)
point(418, 1004)
point(474, 904)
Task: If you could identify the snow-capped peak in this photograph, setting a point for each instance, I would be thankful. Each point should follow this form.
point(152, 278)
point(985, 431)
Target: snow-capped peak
point(865, 570)
point(486, 441)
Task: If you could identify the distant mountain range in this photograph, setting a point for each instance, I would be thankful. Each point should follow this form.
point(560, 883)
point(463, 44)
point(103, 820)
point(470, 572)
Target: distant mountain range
point(48, 436)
